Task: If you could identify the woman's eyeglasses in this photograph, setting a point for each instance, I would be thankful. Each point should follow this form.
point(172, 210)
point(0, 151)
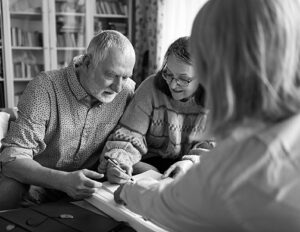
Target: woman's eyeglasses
point(169, 77)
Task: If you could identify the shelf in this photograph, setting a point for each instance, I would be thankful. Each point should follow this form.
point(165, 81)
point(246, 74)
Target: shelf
point(22, 79)
point(22, 15)
point(26, 48)
point(110, 16)
point(70, 14)
point(69, 48)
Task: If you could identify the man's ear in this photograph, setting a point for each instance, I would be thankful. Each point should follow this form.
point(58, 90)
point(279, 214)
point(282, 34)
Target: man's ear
point(87, 61)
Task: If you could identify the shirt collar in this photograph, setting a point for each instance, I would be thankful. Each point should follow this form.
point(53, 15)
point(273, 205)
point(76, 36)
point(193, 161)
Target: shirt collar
point(79, 92)
point(74, 83)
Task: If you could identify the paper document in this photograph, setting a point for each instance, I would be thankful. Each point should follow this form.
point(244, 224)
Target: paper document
point(103, 199)
point(148, 174)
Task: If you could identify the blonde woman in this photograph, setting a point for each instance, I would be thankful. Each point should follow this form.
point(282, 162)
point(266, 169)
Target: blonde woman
point(247, 56)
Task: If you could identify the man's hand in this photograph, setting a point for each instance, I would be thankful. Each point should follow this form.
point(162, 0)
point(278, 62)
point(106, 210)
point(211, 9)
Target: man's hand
point(178, 169)
point(116, 176)
point(80, 184)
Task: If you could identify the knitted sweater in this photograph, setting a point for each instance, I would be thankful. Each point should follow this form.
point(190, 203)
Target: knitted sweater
point(156, 125)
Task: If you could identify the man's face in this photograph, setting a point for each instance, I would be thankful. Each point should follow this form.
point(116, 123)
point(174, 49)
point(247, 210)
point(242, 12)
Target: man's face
point(106, 80)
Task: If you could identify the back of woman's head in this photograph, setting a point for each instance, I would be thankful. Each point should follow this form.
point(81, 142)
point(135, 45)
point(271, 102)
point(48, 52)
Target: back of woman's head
point(247, 54)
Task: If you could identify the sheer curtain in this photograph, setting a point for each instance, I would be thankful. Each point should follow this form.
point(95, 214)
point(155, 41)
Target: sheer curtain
point(178, 19)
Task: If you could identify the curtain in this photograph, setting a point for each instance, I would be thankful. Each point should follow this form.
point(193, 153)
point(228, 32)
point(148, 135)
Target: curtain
point(149, 16)
point(157, 24)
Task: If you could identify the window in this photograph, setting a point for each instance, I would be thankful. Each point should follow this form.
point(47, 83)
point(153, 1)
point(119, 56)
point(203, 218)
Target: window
point(178, 19)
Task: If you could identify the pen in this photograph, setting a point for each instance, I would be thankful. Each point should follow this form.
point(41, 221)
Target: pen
point(116, 165)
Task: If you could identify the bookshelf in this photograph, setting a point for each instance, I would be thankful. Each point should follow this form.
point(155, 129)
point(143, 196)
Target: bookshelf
point(69, 20)
point(42, 35)
point(113, 14)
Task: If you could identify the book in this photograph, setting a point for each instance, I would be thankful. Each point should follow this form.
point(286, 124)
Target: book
point(103, 199)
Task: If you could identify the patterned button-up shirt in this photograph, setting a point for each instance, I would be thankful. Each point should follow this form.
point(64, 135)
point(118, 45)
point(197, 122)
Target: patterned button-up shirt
point(57, 126)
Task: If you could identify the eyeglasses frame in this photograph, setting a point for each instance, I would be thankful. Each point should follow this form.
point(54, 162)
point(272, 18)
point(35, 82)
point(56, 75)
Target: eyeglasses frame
point(173, 78)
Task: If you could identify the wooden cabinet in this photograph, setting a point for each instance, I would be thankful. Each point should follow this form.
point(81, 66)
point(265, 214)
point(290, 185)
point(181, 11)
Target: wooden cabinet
point(40, 35)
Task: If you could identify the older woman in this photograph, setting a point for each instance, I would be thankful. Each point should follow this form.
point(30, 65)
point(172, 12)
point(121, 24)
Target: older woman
point(164, 123)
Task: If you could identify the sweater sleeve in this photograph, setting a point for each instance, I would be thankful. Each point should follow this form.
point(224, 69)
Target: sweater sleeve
point(199, 149)
point(260, 193)
point(168, 203)
point(127, 144)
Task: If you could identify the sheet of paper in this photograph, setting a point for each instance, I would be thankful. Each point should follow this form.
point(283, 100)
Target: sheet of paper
point(148, 174)
point(104, 201)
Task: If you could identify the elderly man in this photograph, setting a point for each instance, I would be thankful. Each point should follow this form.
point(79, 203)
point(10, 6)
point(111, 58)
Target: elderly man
point(64, 119)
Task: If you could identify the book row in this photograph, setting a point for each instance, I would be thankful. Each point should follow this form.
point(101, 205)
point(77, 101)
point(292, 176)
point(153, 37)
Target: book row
point(20, 37)
point(25, 70)
point(111, 7)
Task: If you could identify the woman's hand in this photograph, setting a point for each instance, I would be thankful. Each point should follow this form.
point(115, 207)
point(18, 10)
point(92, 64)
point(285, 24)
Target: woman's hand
point(178, 169)
point(116, 176)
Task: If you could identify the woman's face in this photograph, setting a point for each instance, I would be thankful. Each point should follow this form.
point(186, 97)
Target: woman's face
point(180, 78)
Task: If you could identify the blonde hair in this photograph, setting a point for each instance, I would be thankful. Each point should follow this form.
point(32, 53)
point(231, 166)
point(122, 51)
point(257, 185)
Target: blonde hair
point(99, 45)
point(247, 54)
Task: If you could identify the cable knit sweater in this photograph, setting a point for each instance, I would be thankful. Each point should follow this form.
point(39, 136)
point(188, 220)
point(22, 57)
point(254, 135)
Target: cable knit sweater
point(156, 125)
